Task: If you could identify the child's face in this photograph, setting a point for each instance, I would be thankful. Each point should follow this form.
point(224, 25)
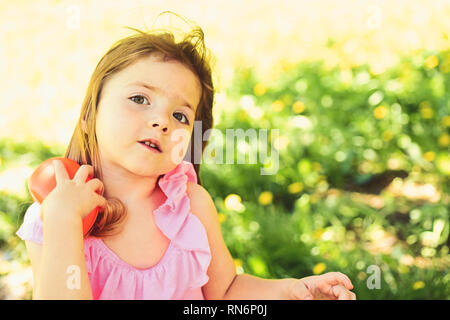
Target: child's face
point(130, 112)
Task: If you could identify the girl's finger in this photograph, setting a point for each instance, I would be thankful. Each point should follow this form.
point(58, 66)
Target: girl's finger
point(344, 279)
point(101, 202)
point(96, 185)
point(83, 172)
point(347, 281)
point(60, 171)
point(338, 292)
point(335, 278)
point(342, 293)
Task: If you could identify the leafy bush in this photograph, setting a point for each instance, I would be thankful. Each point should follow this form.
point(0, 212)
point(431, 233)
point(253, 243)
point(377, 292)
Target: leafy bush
point(347, 139)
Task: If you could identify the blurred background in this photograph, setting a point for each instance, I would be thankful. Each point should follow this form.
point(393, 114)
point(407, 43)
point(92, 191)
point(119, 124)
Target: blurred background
point(358, 90)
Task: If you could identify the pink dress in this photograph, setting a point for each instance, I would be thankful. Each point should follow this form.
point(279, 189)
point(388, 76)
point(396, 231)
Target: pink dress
point(181, 272)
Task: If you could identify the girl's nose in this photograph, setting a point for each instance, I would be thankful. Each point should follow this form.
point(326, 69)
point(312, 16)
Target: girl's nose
point(160, 123)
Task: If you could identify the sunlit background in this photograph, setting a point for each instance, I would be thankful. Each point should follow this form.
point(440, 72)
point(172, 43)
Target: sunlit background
point(304, 67)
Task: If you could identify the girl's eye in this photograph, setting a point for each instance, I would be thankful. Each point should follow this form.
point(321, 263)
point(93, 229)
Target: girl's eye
point(182, 114)
point(139, 99)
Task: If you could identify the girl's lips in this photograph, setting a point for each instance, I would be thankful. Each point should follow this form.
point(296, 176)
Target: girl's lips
point(149, 148)
point(153, 141)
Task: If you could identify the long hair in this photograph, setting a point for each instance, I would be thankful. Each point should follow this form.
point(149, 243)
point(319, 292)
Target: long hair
point(83, 147)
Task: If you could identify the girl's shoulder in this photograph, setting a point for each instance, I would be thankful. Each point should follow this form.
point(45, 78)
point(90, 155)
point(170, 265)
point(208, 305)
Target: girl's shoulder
point(202, 205)
point(197, 194)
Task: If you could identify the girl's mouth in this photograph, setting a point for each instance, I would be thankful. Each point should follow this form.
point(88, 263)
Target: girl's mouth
point(150, 146)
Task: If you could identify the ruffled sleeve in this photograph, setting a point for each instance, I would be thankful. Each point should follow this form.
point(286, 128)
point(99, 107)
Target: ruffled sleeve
point(175, 219)
point(31, 228)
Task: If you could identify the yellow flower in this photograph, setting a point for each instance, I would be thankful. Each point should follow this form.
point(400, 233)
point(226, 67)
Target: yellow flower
point(318, 233)
point(380, 112)
point(387, 135)
point(403, 269)
point(427, 112)
point(444, 140)
point(221, 217)
point(233, 202)
point(446, 121)
point(361, 275)
point(443, 163)
point(295, 187)
point(242, 115)
point(259, 89)
point(431, 62)
point(265, 198)
point(298, 107)
point(319, 268)
point(317, 166)
point(429, 156)
point(277, 106)
point(418, 285)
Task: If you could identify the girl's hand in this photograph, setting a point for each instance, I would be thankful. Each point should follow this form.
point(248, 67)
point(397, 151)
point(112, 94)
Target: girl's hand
point(329, 286)
point(75, 197)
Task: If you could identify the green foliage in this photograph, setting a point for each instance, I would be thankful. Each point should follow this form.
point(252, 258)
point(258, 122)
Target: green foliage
point(351, 134)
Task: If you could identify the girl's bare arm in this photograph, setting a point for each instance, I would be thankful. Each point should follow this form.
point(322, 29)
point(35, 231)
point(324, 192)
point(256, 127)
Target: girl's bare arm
point(226, 284)
point(59, 266)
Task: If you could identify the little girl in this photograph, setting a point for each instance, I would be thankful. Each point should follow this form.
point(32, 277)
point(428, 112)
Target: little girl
point(157, 235)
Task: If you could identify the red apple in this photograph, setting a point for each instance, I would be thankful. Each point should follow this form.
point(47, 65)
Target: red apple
point(43, 181)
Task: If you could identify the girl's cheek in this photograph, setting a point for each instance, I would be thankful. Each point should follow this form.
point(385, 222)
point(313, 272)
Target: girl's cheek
point(177, 146)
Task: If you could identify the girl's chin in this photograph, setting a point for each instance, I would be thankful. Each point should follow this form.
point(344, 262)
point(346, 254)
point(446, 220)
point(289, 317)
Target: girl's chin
point(153, 170)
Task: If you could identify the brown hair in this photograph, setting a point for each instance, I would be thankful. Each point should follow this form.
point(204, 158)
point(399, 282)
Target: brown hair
point(83, 148)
